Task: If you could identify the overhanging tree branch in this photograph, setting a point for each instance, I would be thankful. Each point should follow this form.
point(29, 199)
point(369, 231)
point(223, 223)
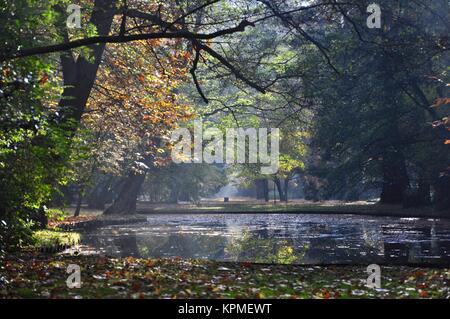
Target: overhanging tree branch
point(231, 67)
point(123, 39)
point(200, 46)
point(194, 76)
point(286, 19)
point(190, 13)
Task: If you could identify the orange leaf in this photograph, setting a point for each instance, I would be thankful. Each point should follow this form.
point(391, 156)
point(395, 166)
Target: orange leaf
point(44, 79)
point(136, 286)
point(441, 101)
point(186, 55)
point(326, 294)
point(446, 142)
point(421, 286)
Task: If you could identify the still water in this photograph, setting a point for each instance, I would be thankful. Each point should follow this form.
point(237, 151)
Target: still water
point(280, 238)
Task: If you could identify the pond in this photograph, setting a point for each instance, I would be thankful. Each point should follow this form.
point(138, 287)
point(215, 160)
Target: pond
point(280, 238)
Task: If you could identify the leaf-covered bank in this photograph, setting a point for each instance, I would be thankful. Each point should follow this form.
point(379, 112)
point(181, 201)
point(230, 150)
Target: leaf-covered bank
point(33, 275)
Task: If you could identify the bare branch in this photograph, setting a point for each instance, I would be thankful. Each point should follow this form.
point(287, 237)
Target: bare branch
point(190, 13)
point(122, 39)
point(288, 21)
point(194, 76)
point(236, 72)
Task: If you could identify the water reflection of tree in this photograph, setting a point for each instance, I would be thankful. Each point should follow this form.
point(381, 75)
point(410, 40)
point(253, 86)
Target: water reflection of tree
point(254, 248)
point(267, 242)
point(127, 245)
point(182, 245)
point(427, 247)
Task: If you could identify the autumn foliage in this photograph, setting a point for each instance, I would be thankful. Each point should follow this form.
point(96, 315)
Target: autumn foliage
point(137, 101)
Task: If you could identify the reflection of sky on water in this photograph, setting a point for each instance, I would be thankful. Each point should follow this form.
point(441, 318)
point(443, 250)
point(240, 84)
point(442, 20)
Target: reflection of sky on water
point(280, 238)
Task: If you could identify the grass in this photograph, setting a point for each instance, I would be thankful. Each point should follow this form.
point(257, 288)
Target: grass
point(298, 207)
point(256, 206)
point(47, 240)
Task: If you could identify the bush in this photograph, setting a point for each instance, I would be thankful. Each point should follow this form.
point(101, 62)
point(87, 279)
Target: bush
point(15, 231)
point(55, 214)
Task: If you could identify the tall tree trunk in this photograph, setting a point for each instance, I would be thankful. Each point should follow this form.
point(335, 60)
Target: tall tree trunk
point(395, 178)
point(79, 202)
point(266, 189)
point(258, 189)
point(174, 191)
point(286, 188)
point(424, 192)
point(262, 189)
point(125, 203)
point(101, 193)
point(443, 192)
point(281, 193)
point(79, 74)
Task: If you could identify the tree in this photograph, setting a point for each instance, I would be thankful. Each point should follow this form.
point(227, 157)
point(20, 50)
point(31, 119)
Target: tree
point(81, 52)
point(183, 182)
point(33, 142)
point(380, 133)
point(135, 105)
